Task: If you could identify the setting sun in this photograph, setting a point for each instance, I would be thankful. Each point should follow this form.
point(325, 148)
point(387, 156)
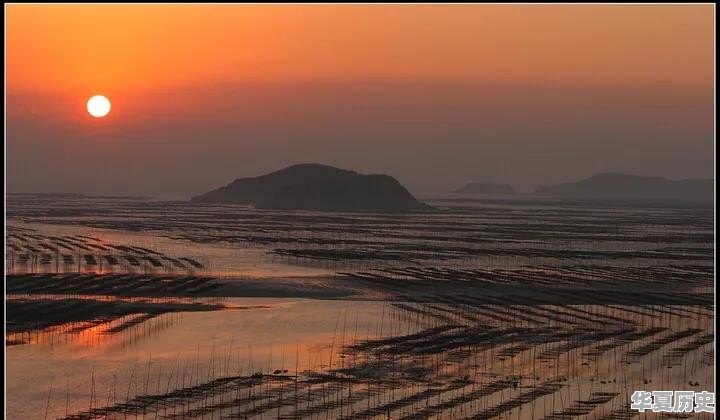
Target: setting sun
point(98, 106)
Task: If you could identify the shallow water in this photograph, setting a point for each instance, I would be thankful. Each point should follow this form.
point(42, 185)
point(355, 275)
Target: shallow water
point(74, 367)
point(286, 334)
point(218, 259)
point(241, 241)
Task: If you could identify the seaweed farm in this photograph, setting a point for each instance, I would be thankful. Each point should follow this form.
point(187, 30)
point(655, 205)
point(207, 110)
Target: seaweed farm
point(124, 308)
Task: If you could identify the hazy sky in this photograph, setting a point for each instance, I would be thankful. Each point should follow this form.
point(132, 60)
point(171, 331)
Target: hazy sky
point(436, 96)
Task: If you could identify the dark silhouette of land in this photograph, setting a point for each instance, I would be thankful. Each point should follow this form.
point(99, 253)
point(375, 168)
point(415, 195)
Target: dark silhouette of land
point(633, 187)
point(317, 187)
point(485, 188)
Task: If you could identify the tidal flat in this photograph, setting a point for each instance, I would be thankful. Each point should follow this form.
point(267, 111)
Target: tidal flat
point(513, 309)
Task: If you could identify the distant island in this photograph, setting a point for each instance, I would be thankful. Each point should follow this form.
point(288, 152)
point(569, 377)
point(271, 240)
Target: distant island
point(317, 187)
point(484, 188)
point(633, 187)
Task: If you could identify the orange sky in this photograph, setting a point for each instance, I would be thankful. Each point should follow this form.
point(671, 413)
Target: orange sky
point(203, 94)
point(72, 48)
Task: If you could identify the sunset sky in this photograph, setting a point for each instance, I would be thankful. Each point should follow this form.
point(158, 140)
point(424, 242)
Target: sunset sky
point(435, 95)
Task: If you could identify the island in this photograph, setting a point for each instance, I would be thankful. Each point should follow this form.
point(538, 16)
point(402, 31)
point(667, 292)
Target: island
point(633, 187)
point(317, 187)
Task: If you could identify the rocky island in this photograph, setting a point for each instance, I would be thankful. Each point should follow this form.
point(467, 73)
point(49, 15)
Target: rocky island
point(317, 187)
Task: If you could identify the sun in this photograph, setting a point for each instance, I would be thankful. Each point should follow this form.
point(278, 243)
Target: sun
point(98, 106)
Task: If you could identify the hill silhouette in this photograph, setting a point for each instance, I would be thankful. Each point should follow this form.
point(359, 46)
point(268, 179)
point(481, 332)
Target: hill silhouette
point(484, 188)
point(633, 187)
point(317, 187)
